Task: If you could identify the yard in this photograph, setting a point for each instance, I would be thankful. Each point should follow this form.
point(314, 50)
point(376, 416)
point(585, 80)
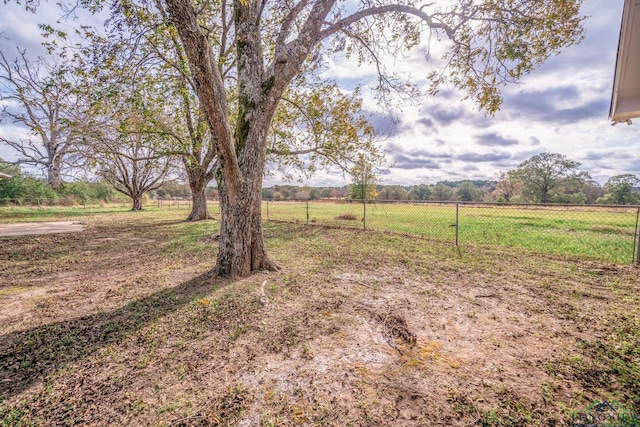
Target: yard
point(120, 325)
point(598, 233)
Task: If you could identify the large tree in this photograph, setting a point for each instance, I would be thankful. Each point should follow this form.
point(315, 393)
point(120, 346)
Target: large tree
point(491, 43)
point(318, 126)
point(245, 55)
point(152, 65)
point(41, 96)
point(544, 172)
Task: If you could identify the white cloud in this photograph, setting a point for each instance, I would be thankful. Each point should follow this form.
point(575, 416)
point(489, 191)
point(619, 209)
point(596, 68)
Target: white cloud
point(561, 107)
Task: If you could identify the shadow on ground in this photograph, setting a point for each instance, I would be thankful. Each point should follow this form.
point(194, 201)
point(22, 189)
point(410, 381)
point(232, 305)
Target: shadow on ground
point(27, 357)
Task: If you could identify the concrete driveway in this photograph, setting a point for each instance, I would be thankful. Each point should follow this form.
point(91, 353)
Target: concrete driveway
point(24, 228)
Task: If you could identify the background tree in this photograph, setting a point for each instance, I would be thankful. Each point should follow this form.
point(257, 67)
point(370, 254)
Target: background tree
point(507, 186)
point(571, 189)
point(131, 163)
point(363, 185)
point(467, 192)
point(41, 96)
point(124, 141)
point(619, 190)
point(592, 191)
point(392, 192)
point(419, 192)
point(542, 173)
point(20, 188)
point(441, 192)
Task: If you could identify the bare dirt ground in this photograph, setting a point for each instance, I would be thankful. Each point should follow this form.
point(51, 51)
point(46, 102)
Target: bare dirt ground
point(121, 325)
point(27, 228)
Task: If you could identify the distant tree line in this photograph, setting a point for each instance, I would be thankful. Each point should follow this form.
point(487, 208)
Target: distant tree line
point(553, 178)
point(544, 178)
point(442, 191)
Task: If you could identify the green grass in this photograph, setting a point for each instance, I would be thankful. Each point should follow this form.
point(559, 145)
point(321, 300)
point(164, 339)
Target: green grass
point(598, 234)
point(593, 233)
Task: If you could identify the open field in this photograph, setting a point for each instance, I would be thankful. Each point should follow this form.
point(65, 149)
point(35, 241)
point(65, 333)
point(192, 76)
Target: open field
point(592, 233)
point(120, 325)
point(602, 234)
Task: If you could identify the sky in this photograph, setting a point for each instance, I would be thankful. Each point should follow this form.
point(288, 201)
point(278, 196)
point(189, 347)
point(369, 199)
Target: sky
point(561, 107)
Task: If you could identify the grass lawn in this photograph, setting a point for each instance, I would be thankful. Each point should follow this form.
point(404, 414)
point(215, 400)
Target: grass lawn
point(121, 325)
point(593, 233)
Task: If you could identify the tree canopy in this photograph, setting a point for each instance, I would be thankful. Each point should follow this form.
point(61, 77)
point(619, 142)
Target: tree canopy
point(41, 96)
point(249, 63)
point(620, 190)
point(543, 172)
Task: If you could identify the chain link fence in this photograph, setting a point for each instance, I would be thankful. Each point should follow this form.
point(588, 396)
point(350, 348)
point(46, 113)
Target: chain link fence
point(73, 201)
point(598, 232)
point(66, 201)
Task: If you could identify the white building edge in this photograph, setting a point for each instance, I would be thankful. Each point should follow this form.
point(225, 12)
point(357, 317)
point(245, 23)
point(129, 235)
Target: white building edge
point(625, 99)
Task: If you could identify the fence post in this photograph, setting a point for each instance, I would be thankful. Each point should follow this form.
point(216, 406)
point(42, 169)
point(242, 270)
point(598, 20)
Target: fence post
point(38, 203)
point(267, 210)
point(307, 212)
point(636, 242)
point(457, 223)
point(364, 213)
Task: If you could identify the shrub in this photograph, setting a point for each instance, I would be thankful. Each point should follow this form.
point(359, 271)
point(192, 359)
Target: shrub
point(347, 216)
point(75, 192)
point(25, 188)
point(102, 190)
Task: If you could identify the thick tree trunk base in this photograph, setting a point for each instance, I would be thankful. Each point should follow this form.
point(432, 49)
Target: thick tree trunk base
point(193, 216)
point(137, 203)
point(199, 208)
point(223, 269)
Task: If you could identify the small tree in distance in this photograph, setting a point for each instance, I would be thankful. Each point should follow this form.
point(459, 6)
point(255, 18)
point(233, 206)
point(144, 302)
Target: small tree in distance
point(364, 179)
point(441, 192)
point(467, 192)
point(506, 187)
point(133, 167)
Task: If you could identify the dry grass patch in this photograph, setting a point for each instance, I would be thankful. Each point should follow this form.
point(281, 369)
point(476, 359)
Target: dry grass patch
point(359, 328)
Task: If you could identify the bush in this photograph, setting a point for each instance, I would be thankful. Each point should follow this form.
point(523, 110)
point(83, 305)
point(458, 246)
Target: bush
point(25, 188)
point(347, 216)
point(75, 192)
point(102, 190)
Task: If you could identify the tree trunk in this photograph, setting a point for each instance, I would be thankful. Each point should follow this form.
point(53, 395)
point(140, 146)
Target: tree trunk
point(137, 202)
point(54, 174)
point(543, 199)
point(241, 250)
point(199, 209)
